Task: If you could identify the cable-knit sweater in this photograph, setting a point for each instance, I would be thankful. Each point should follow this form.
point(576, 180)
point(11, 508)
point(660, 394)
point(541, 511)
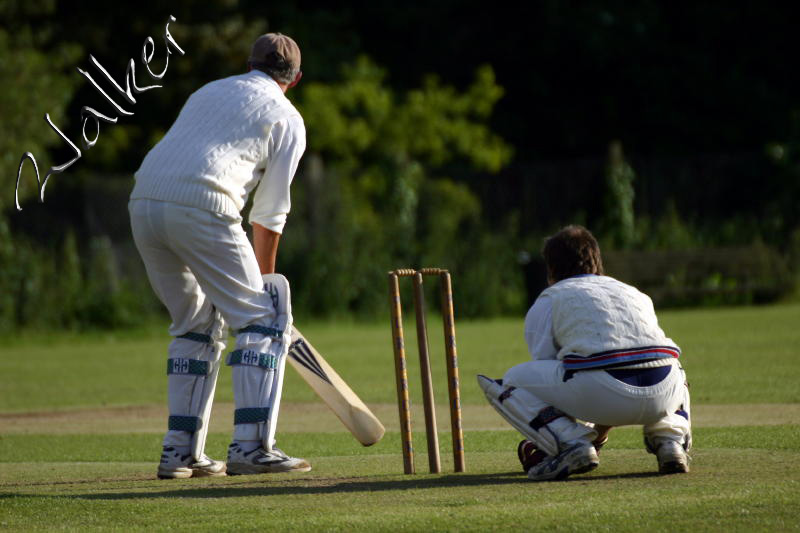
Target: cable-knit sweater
point(593, 321)
point(599, 321)
point(230, 135)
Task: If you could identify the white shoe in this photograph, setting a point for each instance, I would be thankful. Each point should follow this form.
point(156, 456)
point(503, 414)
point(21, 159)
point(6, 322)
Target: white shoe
point(577, 458)
point(260, 461)
point(175, 465)
point(672, 458)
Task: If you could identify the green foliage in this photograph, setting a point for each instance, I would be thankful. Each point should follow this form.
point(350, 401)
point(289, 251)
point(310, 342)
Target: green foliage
point(38, 68)
point(617, 224)
point(373, 198)
point(361, 116)
point(679, 261)
point(782, 224)
point(708, 276)
point(671, 231)
point(44, 288)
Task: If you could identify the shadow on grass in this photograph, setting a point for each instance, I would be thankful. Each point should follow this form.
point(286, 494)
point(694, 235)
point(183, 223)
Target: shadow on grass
point(251, 486)
point(630, 475)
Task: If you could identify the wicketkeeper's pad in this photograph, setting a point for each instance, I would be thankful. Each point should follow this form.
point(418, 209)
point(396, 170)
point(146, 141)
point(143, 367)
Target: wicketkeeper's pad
point(547, 427)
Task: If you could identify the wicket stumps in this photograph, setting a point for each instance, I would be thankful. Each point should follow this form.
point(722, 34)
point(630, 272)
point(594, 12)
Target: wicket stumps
point(425, 368)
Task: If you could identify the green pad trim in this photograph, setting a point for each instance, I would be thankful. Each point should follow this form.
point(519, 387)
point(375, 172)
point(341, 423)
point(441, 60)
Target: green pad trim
point(252, 358)
point(250, 415)
point(184, 423)
point(196, 337)
point(181, 365)
point(267, 332)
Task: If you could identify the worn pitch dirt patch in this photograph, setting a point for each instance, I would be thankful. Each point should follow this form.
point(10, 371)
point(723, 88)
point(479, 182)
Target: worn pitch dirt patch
point(304, 417)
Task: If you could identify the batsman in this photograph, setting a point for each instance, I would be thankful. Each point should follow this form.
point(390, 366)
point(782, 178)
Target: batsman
point(599, 360)
point(233, 136)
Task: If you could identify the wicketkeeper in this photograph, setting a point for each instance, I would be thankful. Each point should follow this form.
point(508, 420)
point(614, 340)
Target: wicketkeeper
point(232, 135)
point(599, 359)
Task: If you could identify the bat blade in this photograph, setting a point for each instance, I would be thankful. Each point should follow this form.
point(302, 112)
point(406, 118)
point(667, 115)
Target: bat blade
point(332, 390)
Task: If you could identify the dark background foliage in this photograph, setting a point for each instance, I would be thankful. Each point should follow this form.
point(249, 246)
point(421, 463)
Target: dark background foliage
point(454, 134)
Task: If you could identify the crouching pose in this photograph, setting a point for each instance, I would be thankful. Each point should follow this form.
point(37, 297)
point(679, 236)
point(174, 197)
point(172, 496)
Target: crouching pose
point(233, 136)
point(599, 359)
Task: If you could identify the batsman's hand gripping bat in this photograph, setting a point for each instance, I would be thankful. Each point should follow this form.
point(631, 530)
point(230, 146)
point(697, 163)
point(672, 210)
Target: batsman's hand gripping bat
point(324, 380)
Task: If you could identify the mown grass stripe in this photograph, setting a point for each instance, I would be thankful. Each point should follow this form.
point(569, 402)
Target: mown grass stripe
point(147, 446)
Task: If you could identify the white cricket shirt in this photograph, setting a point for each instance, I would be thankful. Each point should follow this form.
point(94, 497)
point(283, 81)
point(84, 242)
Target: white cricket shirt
point(232, 135)
point(596, 321)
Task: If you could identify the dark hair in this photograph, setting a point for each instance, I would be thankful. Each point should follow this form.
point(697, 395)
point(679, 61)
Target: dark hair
point(570, 252)
point(277, 67)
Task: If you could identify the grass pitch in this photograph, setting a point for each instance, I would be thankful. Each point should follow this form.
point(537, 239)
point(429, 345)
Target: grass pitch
point(81, 418)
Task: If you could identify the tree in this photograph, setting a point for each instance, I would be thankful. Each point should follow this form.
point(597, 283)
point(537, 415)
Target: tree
point(374, 165)
point(617, 221)
point(38, 68)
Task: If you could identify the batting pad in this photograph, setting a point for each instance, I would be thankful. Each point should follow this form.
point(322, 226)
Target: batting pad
point(258, 367)
point(192, 380)
point(547, 427)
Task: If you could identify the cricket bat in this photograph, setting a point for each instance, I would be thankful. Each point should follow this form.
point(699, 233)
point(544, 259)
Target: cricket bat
point(332, 390)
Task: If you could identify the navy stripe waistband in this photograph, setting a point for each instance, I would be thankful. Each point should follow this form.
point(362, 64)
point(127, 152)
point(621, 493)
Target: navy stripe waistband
point(641, 377)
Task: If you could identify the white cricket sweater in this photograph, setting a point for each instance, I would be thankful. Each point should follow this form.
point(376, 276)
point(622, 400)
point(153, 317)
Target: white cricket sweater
point(230, 135)
point(598, 321)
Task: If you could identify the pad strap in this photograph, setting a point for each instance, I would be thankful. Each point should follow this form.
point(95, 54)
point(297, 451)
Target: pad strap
point(196, 337)
point(252, 358)
point(263, 330)
point(545, 416)
point(182, 365)
point(250, 415)
point(185, 423)
point(506, 394)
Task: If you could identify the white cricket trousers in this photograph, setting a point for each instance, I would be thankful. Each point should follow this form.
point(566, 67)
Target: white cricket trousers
point(196, 261)
point(203, 269)
point(595, 396)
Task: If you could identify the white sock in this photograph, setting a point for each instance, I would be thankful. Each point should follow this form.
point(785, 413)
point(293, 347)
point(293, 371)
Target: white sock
point(248, 445)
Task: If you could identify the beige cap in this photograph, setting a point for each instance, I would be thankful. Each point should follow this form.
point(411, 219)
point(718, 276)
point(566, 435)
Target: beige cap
point(270, 45)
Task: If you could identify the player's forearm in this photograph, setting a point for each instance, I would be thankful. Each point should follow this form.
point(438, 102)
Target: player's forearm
point(265, 245)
